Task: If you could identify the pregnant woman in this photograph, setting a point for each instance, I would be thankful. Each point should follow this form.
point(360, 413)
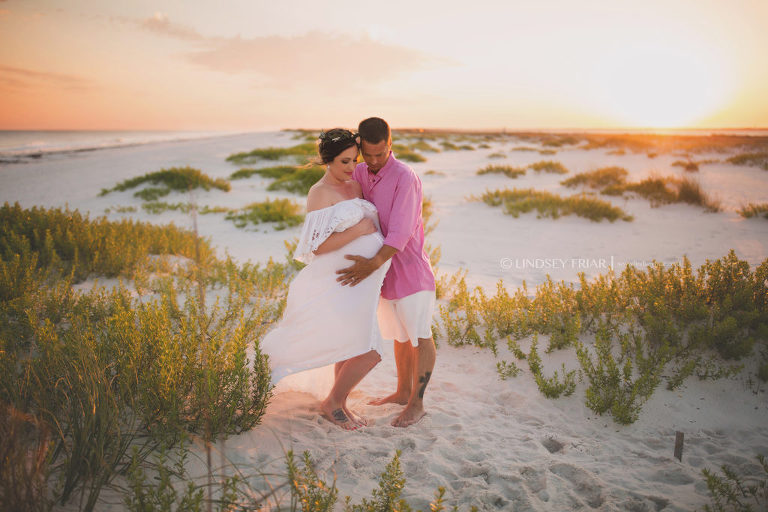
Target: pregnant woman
point(324, 322)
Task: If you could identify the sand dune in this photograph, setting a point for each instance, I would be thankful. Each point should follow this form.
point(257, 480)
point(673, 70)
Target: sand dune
point(499, 445)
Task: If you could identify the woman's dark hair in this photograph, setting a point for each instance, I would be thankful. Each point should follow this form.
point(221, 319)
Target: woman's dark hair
point(333, 142)
point(374, 130)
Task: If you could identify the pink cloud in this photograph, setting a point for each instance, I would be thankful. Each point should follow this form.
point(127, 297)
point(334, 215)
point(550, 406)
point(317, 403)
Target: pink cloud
point(160, 24)
point(20, 78)
point(315, 59)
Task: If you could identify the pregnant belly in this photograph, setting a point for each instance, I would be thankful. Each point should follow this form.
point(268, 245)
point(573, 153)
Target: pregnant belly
point(366, 245)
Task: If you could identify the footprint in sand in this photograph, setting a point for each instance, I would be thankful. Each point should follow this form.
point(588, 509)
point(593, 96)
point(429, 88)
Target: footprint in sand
point(671, 477)
point(535, 480)
point(552, 445)
point(584, 484)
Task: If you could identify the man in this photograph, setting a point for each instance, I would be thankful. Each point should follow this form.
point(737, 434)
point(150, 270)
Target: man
point(408, 292)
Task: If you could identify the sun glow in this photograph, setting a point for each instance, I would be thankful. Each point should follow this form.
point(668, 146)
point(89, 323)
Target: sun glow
point(662, 86)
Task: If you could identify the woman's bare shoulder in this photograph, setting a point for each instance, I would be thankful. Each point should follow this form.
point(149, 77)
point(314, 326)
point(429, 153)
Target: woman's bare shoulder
point(319, 196)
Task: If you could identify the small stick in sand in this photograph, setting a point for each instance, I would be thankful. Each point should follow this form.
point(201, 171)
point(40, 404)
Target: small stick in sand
point(679, 446)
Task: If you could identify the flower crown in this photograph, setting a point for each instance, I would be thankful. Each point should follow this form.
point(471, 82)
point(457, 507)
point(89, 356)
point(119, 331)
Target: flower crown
point(336, 137)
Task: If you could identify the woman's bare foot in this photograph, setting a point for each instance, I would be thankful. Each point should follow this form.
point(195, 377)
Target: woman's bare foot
point(336, 415)
point(360, 420)
point(410, 415)
point(394, 398)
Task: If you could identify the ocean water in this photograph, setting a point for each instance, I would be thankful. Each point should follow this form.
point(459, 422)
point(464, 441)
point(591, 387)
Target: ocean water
point(20, 146)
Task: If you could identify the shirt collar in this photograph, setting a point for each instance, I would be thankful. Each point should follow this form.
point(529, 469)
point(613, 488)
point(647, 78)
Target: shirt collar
point(391, 160)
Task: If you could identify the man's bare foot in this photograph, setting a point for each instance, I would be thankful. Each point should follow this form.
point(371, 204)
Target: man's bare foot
point(409, 416)
point(337, 416)
point(394, 398)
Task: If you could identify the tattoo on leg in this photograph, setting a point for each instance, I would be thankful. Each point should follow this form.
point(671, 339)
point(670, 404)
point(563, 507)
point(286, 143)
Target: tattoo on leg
point(339, 415)
point(424, 379)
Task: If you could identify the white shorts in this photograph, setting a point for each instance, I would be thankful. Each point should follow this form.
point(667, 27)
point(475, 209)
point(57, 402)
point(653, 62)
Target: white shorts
point(407, 318)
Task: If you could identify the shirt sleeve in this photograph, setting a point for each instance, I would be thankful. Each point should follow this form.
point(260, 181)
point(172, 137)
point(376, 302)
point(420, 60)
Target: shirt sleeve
point(406, 212)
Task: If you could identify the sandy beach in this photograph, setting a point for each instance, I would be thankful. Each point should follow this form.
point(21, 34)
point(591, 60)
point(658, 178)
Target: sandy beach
point(495, 444)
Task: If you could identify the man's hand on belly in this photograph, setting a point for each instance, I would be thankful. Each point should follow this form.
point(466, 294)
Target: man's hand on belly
point(363, 267)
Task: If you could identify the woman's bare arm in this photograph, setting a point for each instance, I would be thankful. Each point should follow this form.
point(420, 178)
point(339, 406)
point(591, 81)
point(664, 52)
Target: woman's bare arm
point(317, 199)
point(340, 239)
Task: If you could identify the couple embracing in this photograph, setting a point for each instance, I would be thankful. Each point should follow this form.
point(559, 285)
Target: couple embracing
point(367, 278)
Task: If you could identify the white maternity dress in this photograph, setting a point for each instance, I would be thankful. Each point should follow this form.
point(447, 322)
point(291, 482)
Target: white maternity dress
point(323, 321)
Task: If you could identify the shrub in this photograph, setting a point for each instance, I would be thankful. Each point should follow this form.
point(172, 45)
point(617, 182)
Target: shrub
point(734, 491)
point(648, 322)
point(547, 204)
point(550, 387)
point(299, 181)
point(406, 154)
point(752, 159)
point(687, 165)
point(598, 179)
point(549, 166)
point(174, 178)
point(284, 212)
point(507, 170)
point(267, 172)
point(449, 146)
point(661, 190)
point(422, 145)
point(689, 191)
point(754, 210)
point(113, 389)
point(301, 152)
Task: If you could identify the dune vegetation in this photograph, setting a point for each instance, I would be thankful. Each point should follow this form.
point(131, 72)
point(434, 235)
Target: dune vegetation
point(631, 329)
point(179, 179)
point(598, 179)
point(752, 159)
point(507, 170)
point(549, 166)
point(301, 152)
point(296, 179)
point(407, 154)
point(283, 213)
point(660, 190)
point(754, 210)
point(108, 389)
point(517, 201)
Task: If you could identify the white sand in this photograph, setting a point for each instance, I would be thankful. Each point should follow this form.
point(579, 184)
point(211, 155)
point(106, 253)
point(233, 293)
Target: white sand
point(495, 444)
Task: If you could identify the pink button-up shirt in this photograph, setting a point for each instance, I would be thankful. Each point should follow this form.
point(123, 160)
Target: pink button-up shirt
point(396, 192)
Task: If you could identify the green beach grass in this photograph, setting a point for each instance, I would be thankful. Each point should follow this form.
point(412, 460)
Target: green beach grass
point(598, 179)
point(631, 329)
point(283, 213)
point(507, 170)
point(754, 210)
point(295, 179)
point(660, 190)
point(517, 201)
point(751, 159)
point(549, 166)
point(302, 152)
point(180, 179)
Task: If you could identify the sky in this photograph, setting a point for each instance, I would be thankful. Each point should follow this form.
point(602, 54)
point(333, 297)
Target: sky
point(261, 65)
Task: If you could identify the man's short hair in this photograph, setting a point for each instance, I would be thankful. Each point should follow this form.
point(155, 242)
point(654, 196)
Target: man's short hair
point(374, 130)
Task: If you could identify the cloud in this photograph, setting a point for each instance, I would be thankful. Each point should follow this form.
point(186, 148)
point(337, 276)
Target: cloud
point(25, 79)
point(160, 24)
point(314, 60)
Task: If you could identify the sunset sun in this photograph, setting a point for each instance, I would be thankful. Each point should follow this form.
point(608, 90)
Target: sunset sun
point(658, 87)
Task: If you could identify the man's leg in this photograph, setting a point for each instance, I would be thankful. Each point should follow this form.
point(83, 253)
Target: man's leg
point(424, 362)
point(404, 358)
